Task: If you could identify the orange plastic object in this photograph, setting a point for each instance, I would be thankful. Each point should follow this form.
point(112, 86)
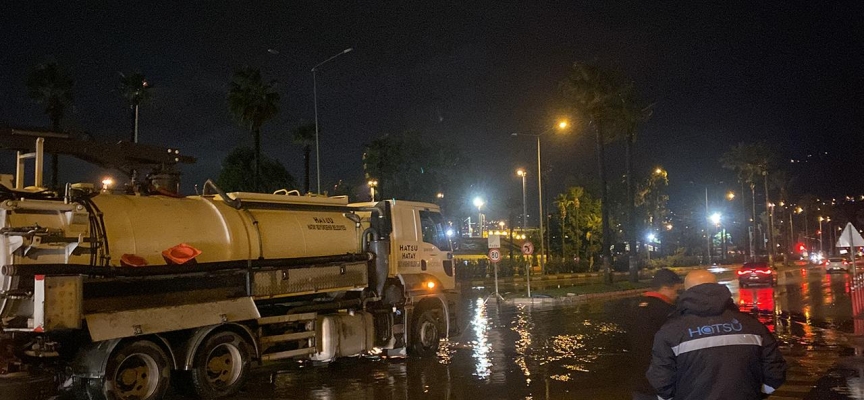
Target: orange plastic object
point(131, 260)
point(181, 254)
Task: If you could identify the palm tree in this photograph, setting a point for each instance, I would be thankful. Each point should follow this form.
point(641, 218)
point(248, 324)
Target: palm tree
point(136, 90)
point(751, 162)
point(596, 93)
point(48, 85)
point(563, 202)
point(252, 102)
point(304, 135)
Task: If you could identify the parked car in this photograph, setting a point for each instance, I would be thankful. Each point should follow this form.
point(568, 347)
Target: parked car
point(757, 273)
point(836, 264)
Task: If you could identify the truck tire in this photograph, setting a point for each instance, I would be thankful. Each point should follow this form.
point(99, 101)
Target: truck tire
point(135, 371)
point(221, 365)
point(426, 332)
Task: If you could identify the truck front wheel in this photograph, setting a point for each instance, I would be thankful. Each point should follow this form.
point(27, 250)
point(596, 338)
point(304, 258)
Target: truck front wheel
point(135, 371)
point(221, 365)
point(427, 332)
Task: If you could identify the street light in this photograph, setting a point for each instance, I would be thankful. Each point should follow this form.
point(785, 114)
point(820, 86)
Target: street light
point(820, 234)
point(563, 124)
point(715, 219)
point(521, 172)
point(479, 202)
point(315, 95)
point(372, 185)
point(730, 196)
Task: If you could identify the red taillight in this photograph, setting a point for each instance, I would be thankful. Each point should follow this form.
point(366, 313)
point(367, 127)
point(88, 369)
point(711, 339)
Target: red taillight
point(764, 271)
point(826, 263)
point(740, 272)
point(845, 262)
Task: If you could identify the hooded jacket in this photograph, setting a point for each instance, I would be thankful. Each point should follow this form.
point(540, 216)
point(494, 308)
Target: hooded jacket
point(710, 351)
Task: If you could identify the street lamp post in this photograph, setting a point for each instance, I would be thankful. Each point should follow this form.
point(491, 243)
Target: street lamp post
point(315, 96)
point(478, 202)
point(821, 248)
point(715, 219)
point(521, 172)
point(561, 125)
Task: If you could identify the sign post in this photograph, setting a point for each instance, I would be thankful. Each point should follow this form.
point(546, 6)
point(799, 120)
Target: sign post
point(495, 257)
point(528, 249)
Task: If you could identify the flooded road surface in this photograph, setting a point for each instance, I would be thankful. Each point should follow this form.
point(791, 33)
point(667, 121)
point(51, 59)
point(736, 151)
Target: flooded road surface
point(566, 352)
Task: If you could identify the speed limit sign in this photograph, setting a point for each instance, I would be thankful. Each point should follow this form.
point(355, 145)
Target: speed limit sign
point(527, 248)
point(494, 255)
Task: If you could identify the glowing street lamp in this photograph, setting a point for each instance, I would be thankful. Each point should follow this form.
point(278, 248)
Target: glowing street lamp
point(521, 172)
point(561, 125)
point(730, 195)
point(479, 203)
point(715, 218)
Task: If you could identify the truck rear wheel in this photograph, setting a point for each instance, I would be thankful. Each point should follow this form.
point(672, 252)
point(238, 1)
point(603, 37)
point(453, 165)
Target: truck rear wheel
point(426, 332)
point(135, 371)
point(221, 365)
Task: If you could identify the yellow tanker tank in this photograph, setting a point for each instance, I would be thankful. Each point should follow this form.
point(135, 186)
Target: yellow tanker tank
point(265, 227)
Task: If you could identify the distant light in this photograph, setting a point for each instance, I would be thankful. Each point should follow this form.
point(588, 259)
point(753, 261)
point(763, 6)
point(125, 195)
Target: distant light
point(521, 172)
point(731, 195)
point(478, 202)
point(658, 171)
point(440, 195)
point(668, 227)
point(651, 237)
point(715, 218)
point(562, 124)
point(107, 183)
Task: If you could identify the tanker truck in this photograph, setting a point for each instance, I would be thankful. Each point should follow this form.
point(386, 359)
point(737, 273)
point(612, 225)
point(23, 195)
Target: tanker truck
point(121, 294)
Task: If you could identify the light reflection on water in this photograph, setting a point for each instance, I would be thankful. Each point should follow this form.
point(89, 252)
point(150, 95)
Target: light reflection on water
point(480, 345)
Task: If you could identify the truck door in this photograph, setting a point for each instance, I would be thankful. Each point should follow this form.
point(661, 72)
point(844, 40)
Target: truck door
point(435, 252)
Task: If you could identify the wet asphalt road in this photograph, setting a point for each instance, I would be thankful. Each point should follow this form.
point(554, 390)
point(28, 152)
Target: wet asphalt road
point(574, 351)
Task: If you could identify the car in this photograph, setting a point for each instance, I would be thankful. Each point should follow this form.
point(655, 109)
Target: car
point(756, 273)
point(836, 264)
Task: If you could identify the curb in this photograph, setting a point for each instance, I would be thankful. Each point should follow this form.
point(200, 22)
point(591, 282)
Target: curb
point(521, 279)
point(575, 299)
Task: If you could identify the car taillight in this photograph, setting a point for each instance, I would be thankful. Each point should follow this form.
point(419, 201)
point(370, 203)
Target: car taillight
point(826, 263)
point(743, 272)
point(764, 271)
point(845, 262)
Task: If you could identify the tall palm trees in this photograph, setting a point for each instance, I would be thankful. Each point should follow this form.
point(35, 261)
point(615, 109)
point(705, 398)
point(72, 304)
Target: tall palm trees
point(252, 102)
point(304, 135)
point(136, 90)
point(608, 105)
point(48, 85)
point(751, 163)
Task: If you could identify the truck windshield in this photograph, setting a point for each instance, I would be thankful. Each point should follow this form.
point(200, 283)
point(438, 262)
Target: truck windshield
point(434, 231)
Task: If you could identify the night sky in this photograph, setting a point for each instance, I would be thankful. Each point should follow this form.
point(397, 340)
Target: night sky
point(719, 72)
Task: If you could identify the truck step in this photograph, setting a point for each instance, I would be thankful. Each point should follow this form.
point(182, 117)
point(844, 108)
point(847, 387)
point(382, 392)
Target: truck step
point(288, 337)
point(278, 319)
point(288, 354)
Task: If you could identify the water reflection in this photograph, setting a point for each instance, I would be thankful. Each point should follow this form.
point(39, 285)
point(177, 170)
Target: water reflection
point(481, 351)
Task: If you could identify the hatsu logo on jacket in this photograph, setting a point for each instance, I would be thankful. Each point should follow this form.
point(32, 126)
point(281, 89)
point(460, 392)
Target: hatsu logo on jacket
point(714, 329)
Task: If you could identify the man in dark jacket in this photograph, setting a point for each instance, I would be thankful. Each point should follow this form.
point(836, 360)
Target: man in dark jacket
point(645, 319)
point(710, 351)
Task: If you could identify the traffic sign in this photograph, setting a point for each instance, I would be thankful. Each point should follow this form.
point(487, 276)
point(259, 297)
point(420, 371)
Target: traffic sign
point(494, 241)
point(527, 248)
point(494, 255)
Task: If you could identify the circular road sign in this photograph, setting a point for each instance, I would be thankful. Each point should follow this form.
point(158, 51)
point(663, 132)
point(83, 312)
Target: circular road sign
point(527, 248)
point(495, 255)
